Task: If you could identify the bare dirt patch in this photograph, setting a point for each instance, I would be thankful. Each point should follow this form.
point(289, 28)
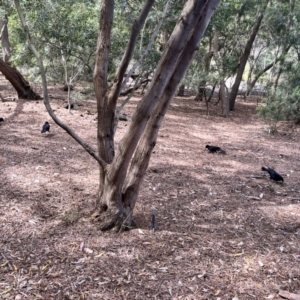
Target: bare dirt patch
point(223, 229)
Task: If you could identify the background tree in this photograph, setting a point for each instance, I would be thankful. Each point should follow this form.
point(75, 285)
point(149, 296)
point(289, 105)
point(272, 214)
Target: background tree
point(4, 38)
point(21, 85)
point(245, 56)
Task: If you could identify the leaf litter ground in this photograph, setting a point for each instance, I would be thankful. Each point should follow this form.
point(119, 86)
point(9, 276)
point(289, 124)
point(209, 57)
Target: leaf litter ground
point(224, 230)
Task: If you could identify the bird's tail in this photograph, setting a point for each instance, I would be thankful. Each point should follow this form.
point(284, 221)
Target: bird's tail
point(222, 151)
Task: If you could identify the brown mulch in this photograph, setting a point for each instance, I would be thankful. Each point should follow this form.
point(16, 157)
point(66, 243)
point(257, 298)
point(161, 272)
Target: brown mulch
point(224, 230)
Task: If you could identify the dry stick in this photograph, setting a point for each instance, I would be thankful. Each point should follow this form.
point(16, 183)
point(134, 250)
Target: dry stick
point(80, 141)
point(252, 197)
point(255, 176)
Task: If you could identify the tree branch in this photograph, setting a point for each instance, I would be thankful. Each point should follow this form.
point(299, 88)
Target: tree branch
point(45, 92)
point(136, 28)
point(154, 34)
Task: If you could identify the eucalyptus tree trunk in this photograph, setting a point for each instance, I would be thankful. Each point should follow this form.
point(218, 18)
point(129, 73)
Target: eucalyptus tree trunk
point(20, 84)
point(224, 99)
point(4, 40)
point(222, 93)
point(16, 79)
point(244, 58)
point(290, 25)
point(202, 83)
point(121, 181)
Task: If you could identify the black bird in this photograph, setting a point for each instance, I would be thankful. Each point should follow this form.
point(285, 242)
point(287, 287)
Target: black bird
point(72, 106)
point(1, 120)
point(46, 127)
point(153, 220)
point(215, 149)
point(273, 174)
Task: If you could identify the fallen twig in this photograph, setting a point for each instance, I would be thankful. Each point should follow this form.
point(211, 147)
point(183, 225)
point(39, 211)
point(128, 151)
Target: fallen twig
point(255, 176)
point(253, 198)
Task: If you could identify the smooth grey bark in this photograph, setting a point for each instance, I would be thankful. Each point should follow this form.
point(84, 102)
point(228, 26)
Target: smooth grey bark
point(244, 58)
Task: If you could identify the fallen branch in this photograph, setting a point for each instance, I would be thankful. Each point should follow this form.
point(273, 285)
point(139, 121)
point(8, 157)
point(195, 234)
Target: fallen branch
point(288, 295)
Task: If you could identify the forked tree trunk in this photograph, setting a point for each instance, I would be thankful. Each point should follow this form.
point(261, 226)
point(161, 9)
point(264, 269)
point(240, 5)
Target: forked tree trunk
point(118, 195)
point(20, 84)
point(244, 58)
